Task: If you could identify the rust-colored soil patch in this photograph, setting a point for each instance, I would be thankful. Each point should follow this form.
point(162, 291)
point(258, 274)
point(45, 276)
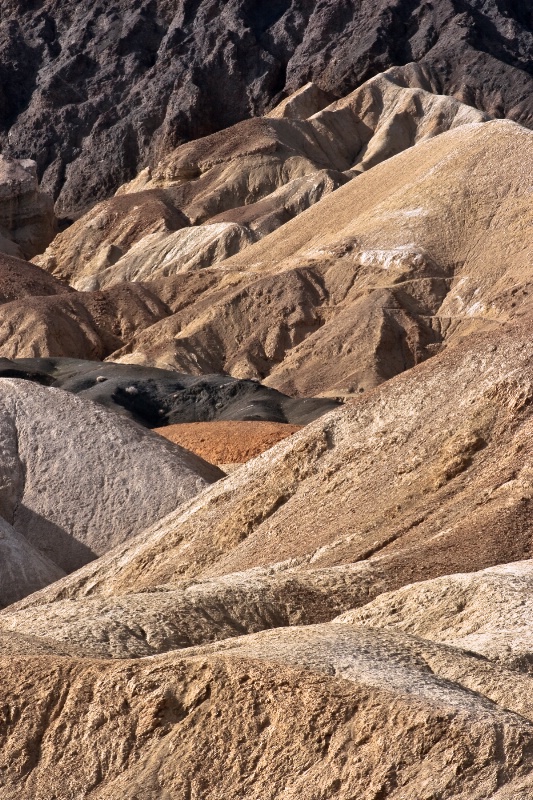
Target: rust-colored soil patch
point(228, 442)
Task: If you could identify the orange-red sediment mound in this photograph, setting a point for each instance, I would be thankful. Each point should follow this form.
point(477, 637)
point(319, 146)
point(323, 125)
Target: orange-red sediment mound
point(232, 442)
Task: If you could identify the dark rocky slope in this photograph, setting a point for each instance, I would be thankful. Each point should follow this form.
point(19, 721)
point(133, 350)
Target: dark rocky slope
point(96, 92)
point(157, 397)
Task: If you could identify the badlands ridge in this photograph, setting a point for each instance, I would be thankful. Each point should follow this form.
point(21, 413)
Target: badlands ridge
point(266, 436)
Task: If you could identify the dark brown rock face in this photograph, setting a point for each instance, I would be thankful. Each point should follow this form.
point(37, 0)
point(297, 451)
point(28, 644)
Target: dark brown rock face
point(97, 91)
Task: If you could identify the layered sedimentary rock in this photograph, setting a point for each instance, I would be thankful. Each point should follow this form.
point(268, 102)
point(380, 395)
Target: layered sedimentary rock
point(404, 259)
point(97, 93)
point(27, 219)
point(236, 186)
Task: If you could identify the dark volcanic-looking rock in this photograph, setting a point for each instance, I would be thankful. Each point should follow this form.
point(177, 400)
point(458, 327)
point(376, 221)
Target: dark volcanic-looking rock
point(158, 397)
point(97, 91)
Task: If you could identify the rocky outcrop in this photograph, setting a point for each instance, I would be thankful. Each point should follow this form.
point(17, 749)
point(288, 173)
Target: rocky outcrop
point(97, 93)
point(27, 219)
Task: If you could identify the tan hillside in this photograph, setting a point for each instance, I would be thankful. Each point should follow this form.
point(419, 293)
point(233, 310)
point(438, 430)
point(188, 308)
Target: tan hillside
point(327, 711)
point(259, 173)
point(409, 256)
point(43, 322)
point(21, 279)
point(266, 412)
point(412, 481)
point(486, 612)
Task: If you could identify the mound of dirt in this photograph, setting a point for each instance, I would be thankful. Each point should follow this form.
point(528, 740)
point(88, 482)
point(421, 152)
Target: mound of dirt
point(155, 397)
point(75, 481)
point(20, 279)
point(226, 443)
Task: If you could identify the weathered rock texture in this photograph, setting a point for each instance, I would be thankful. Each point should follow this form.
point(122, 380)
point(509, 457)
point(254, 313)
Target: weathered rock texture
point(96, 93)
point(406, 258)
point(236, 186)
point(486, 612)
point(319, 713)
point(27, 219)
point(413, 481)
point(423, 692)
point(76, 480)
point(331, 711)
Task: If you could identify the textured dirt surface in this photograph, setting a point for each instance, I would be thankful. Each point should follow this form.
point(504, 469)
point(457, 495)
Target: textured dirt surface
point(228, 442)
point(328, 736)
point(104, 90)
point(236, 186)
point(486, 612)
point(74, 481)
point(404, 259)
point(323, 712)
point(207, 656)
point(19, 279)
